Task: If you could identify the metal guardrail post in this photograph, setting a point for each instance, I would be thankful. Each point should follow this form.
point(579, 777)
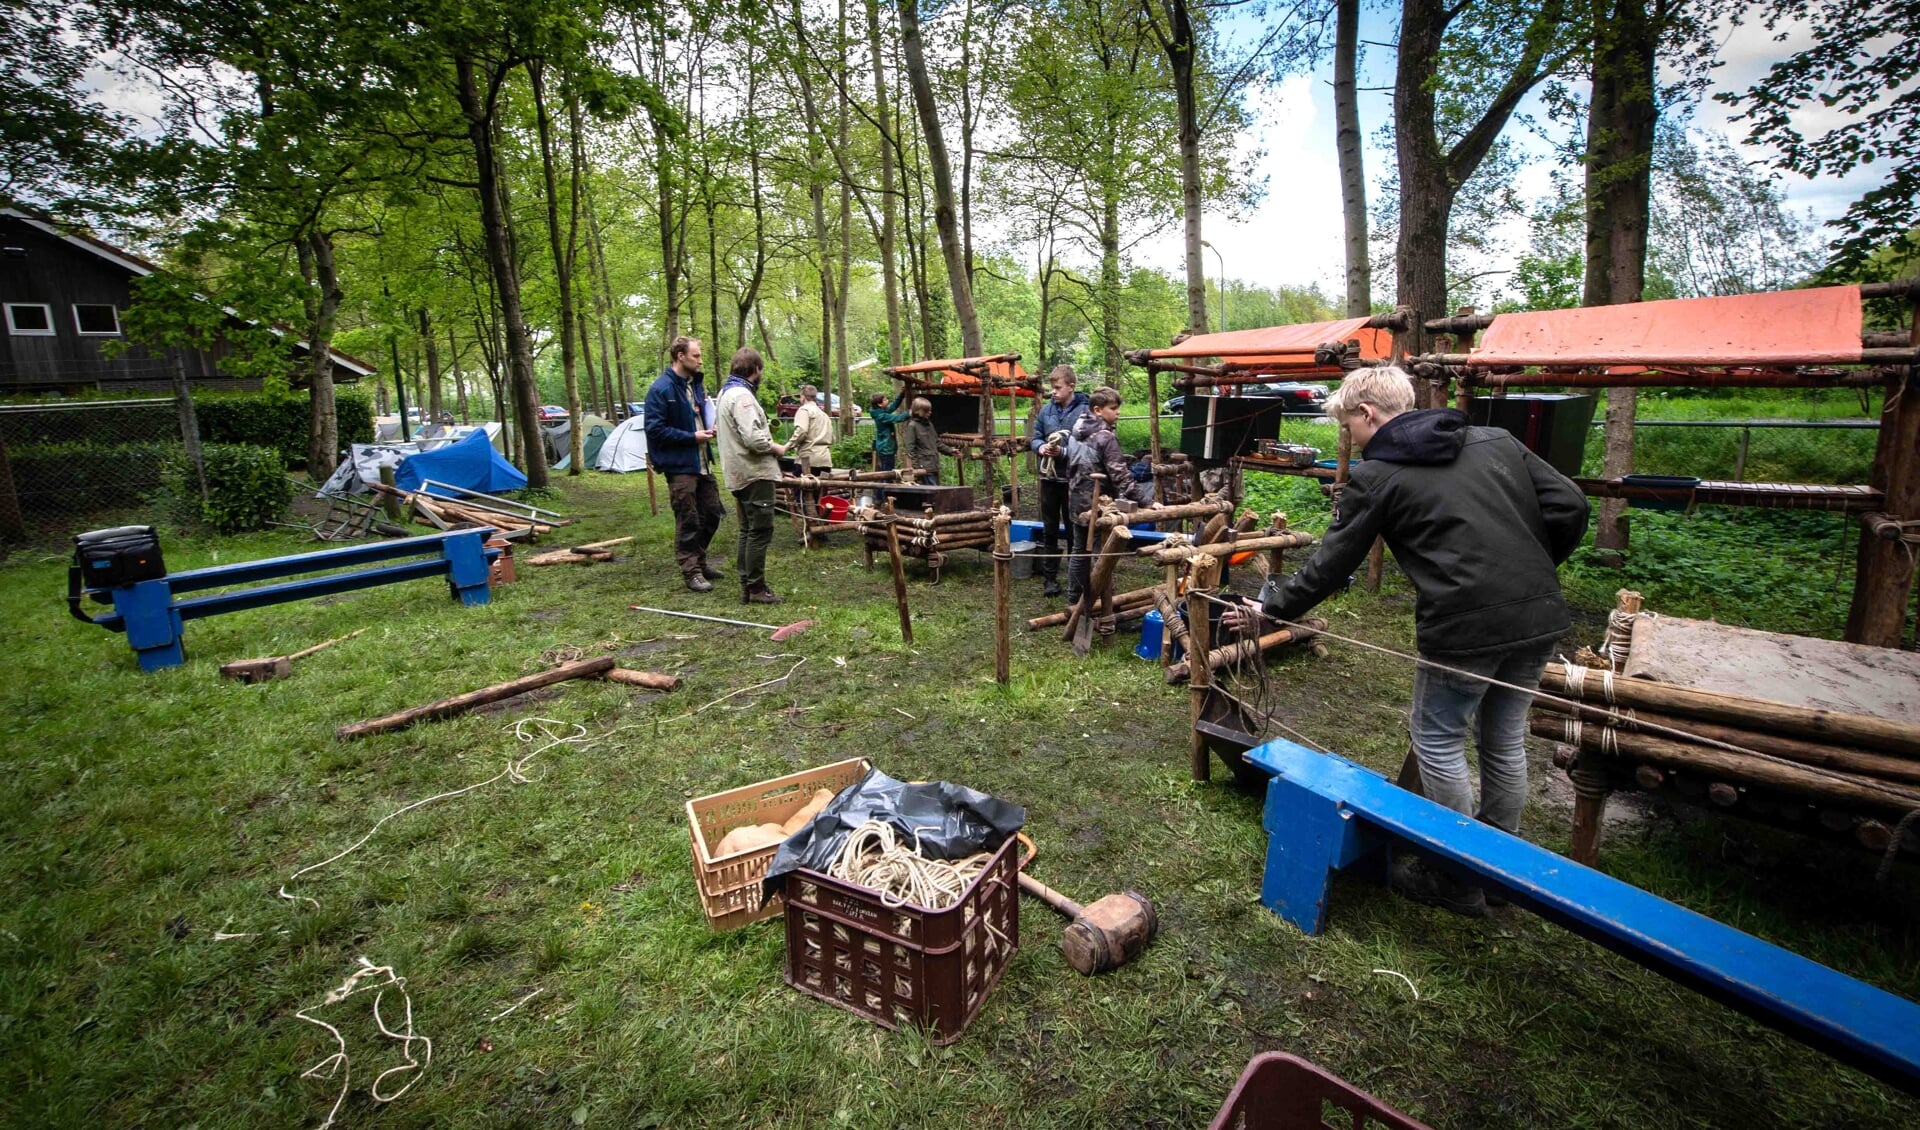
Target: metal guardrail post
point(1740, 456)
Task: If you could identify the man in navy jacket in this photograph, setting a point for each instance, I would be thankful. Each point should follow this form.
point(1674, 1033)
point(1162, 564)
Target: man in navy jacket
point(678, 436)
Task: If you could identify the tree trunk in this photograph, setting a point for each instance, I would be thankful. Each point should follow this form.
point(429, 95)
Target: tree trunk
point(597, 250)
point(750, 293)
point(889, 267)
point(1621, 118)
point(1179, 47)
point(1353, 180)
point(434, 407)
point(663, 209)
point(459, 382)
point(943, 211)
point(480, 111)
point(1109, 296)
point(846, 245)
point(563, 255)
point(315, 254)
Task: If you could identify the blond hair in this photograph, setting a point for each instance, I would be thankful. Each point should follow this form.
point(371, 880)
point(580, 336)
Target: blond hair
point(1386, 387)
point(921, 407)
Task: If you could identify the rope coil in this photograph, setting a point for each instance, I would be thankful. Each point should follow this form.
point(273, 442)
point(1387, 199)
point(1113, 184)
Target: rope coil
point(875, 858)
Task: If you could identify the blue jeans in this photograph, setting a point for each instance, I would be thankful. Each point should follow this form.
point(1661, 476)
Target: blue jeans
point(1446, 704)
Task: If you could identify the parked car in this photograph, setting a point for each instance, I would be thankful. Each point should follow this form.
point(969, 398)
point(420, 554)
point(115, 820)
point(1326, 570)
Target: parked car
point(552, 413)
point(1301, 399)
point(630, 408)
point(789, 405)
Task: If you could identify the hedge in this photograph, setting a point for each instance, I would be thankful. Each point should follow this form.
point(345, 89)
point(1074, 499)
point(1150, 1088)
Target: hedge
point(278, 420)
point(247, 486)
point(56, 479)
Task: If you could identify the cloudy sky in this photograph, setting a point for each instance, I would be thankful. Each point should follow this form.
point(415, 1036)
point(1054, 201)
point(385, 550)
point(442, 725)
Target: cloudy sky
point(1294, 236)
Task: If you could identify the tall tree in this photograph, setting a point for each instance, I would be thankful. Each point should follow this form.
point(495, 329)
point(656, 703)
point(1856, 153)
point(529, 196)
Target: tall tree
point(565, 249)
point(1353, 180)
point(1492, 53)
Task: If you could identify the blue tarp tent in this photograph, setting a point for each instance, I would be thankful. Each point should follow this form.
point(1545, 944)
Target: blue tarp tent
point(471, 463)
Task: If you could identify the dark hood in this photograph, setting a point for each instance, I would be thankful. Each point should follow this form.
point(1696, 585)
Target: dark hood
point(1430, 436)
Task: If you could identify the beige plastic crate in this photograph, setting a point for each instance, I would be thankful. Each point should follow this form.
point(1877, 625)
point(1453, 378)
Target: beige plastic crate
point(730, 885)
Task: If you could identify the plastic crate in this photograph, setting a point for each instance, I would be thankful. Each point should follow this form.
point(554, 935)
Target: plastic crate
point(1284, 1092)
point(730, 885)
point(904, 965)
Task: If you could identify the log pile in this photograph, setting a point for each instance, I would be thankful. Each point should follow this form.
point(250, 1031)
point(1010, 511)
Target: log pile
point(1823, 771)
point(927, 535)
point(452, 514)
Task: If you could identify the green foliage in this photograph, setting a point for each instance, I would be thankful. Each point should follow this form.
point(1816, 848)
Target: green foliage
point(279, 419)
point(247, 486)
point(59, 479)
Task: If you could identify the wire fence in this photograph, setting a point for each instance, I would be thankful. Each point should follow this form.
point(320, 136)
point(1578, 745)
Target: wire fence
point(67, 466)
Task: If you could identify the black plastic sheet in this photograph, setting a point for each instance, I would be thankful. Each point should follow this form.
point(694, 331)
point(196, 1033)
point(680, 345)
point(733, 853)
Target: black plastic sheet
point(950, 822)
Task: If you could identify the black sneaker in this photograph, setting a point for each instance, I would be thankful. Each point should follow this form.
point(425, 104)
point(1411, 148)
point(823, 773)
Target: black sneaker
point(698, 583)
point(1412, 879)
point(1051, 588)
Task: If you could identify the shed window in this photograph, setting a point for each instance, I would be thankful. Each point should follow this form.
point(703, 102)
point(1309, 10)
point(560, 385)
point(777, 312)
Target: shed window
point(96, 321)
point(29, 319)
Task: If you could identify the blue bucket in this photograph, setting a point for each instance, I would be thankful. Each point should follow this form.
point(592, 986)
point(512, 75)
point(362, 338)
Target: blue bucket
point(1151, 629)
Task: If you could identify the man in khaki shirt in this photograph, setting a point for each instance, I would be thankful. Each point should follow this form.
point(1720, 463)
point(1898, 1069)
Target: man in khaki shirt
point(750, 460)
point(812, 442)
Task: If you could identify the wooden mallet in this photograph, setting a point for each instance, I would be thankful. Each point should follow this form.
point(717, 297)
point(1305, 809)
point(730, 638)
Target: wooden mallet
point(1104, 935)
point(275, 666)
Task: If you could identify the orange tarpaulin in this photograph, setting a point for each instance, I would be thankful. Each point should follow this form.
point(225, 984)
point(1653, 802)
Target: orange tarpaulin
point(1000, 369)
point(1788, 327)
point(1284, 347)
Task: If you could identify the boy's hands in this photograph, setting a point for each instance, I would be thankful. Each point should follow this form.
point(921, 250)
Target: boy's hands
point(1243, 618)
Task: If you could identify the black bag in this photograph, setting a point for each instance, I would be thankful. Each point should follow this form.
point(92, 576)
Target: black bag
point(103, 559)
point(945, 820)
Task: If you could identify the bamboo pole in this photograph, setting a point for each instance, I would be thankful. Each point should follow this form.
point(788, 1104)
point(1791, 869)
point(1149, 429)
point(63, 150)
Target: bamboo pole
point(1002, 598)
point(1206, 574)
point(1829, 787)
point(1880, 735)
point(460, 704)
point(1840, 758)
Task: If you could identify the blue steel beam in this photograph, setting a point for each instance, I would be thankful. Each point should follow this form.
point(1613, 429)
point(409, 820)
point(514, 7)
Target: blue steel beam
point(266, 569)
point(1325, 813)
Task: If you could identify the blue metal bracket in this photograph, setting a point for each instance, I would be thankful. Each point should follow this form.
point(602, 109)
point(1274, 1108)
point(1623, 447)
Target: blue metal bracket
point(152, 614)
point(1325, 814)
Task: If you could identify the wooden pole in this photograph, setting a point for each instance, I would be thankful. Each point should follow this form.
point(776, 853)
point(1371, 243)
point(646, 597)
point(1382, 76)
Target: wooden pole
point(1883, 577)
point(1880, 735)
point(1102, 576)
point(1153, 414)
point(12, 524)
point(460, 704)
point(1244, 649)
point(1002, 597)
point(1204, 509)
point(650, 679)
point(1132, 598)
point(1831, 788)
point(1206, 573)
point(653, 500)
point(389, 498)
point(899, 579)
point(1293, 539)
point(1840, 758)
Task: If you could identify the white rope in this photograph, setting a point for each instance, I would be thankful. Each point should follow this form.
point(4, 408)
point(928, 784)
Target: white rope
point(516, 1004)
point(515, 771)
point(873, 857)
point(340, 1062)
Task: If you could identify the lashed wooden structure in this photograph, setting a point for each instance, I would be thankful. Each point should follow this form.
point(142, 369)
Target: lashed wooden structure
point(997, 375)
point(1810, 338)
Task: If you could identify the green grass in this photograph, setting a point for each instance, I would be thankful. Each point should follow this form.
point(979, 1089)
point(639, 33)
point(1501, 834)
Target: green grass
point(145, 813)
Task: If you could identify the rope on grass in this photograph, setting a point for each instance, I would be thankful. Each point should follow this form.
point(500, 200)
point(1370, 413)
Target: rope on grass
point(377, 979)
point(875, 858)
point(524, 732)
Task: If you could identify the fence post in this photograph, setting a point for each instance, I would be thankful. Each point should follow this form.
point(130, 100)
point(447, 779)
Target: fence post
point(1740, 456)
point(189, 424)
point(11, 523)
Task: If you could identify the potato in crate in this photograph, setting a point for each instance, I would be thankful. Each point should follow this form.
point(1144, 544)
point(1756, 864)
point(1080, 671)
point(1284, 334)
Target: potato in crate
point(732, 845)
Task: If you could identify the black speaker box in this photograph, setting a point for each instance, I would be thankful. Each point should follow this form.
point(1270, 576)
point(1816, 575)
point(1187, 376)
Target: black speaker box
point(1214, 429)
point(1554, 426)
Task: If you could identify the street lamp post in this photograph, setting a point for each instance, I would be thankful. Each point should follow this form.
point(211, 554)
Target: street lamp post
point(1222, 260)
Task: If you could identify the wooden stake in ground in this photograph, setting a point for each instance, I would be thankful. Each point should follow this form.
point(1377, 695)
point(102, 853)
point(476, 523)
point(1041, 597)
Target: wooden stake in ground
point(1002, 598)
point(1206, 574)
point(460, 704)
point(899, 579)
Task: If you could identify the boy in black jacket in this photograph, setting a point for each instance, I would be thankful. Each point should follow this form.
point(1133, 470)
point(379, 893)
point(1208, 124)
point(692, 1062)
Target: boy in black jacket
point(1479, 524)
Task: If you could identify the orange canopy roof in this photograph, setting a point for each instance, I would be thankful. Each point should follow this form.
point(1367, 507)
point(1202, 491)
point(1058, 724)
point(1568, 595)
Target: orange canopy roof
point(1282, 347)
point(1788, 327)
point(1000, 368)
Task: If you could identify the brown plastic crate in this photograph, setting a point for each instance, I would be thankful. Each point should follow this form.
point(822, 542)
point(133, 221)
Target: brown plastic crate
point(904, 965)
point(1284, 1092)
point(730, 886)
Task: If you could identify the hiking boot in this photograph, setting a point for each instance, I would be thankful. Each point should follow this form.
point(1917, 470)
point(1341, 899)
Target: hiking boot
point(1412, 879)
point(761, 594)
point(698, 583)
point(1051, 588)
point(1073, 598)
point(712, 572)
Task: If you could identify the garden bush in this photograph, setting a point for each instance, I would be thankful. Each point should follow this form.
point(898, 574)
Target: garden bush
point(278, 419)
point(247, 487)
